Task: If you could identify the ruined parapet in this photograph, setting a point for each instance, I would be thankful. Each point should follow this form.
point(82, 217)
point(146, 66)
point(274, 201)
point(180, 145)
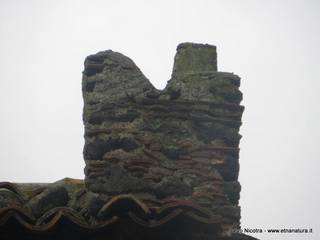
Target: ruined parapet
point(178, 145)
point(160, 164)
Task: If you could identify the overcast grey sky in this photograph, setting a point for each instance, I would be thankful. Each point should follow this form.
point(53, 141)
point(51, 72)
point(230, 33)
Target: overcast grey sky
point(273, 45)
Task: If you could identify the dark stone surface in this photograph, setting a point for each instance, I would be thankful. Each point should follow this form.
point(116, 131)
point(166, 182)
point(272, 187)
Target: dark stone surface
point(179, 143)
point(55, 196)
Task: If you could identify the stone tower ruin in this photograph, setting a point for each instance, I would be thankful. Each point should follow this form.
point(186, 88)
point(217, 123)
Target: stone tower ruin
point(177, 145)
point(160, 164)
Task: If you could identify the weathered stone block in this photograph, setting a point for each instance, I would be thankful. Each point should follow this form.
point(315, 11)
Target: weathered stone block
point(180, 143)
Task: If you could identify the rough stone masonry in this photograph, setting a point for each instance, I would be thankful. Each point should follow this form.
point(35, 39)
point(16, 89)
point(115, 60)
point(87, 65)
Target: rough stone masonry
point(160, 164)
point(176, 144)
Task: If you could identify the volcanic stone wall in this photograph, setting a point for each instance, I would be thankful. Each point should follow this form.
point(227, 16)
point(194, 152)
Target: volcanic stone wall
point(179, 144)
